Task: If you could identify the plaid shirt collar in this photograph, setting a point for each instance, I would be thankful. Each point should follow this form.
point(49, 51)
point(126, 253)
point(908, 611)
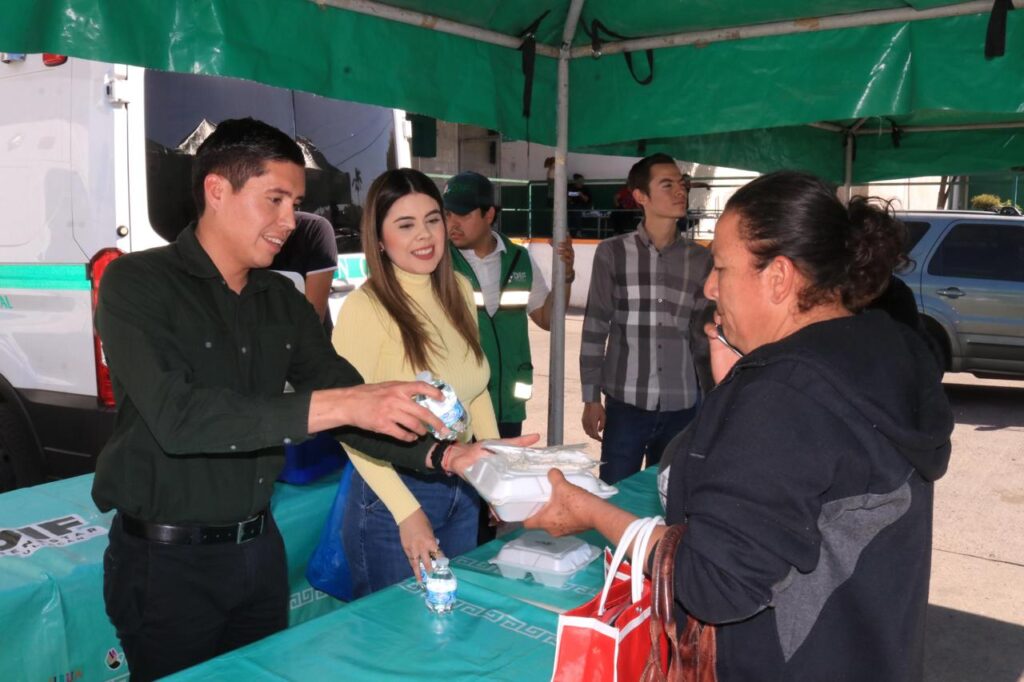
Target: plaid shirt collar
point(645, 238)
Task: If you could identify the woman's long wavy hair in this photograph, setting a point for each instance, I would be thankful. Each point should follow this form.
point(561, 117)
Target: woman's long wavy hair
point(384, 286)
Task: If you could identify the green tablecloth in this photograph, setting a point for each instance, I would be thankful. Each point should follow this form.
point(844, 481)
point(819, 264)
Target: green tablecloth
point(637, 494)
point(390, 635)
point(55, 625)
point(52, 539)
point(494, 633)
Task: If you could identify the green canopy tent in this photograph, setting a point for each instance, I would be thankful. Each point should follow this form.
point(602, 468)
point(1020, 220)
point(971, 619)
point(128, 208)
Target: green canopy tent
point(854, 90)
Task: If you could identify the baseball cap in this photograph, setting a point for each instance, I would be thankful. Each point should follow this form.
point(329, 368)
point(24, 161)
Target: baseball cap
point(468, 191)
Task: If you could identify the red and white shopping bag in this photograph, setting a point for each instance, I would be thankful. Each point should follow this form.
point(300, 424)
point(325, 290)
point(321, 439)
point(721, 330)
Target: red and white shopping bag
point(608, 639)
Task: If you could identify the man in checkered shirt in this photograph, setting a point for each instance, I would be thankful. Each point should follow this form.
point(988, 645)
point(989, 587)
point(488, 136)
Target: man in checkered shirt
point(644, 288)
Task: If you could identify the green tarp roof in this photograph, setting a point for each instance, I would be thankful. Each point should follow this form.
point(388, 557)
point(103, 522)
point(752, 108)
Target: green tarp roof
point(743, 103)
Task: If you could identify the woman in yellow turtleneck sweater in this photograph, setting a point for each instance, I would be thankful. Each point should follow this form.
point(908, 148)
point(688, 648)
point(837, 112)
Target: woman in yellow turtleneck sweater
point(412, 314)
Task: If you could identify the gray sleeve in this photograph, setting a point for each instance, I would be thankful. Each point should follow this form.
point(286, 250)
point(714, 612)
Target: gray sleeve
point(597, 323)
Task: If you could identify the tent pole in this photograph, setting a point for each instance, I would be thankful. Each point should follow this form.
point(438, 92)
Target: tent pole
point(556, 380)
point(429, 21)
point(804, 25)
point(1007, 125)
point(848, 168)
point(848, 159)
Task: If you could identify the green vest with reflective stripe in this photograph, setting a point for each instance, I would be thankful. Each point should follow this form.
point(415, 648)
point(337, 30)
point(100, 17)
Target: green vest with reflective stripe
point(504, 337)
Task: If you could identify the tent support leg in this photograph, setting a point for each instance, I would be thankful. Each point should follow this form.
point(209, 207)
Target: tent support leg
point(556, 380)
point(848, 168)
point(851, 148)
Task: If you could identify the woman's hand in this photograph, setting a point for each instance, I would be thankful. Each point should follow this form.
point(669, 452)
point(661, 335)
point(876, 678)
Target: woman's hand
point(571, 509)
point(418, 541)
point(461, 456)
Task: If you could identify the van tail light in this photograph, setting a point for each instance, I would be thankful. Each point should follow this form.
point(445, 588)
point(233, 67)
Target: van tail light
point(99, 263)
point(53, 59)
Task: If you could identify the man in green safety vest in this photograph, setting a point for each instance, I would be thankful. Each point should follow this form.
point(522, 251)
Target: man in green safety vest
point(507, 287)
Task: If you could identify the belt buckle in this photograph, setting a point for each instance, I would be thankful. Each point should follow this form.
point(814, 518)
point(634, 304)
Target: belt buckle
point(245, 526)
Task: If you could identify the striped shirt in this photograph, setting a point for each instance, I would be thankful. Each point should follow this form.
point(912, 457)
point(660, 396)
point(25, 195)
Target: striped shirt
point(635, 344)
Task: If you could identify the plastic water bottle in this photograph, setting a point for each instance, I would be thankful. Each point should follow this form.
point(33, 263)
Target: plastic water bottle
point(441, 587)
point(449, 409)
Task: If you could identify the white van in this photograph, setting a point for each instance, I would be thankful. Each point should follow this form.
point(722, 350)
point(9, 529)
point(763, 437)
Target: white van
point(95, 161)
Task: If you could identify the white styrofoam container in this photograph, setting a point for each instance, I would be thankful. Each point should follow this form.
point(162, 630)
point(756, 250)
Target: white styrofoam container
point(550, 560)
point(517, 495)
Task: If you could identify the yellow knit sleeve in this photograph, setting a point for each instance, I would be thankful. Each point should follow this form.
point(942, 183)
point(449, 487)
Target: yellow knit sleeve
point(359, 335)
point(481, 414)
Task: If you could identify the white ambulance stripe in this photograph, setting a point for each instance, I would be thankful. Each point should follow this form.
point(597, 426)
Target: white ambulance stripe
point(478, 299)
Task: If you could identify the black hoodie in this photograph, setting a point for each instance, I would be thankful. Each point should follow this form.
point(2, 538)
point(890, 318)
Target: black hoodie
point(806, 482)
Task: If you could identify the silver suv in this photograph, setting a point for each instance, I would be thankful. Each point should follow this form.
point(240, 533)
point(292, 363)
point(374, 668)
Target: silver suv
point(968, 278)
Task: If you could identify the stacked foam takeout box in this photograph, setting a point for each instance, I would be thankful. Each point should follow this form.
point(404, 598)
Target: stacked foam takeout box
point(513, 480)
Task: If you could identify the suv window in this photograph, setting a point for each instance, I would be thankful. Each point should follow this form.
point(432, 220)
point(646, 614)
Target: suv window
point(981, 251)
point(915, 230)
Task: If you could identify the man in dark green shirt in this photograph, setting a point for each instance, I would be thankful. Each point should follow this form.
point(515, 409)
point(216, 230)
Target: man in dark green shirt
point(200, 342)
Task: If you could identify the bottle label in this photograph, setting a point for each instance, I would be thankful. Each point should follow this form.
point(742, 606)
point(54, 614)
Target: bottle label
point(440, 595)
point(449, 410)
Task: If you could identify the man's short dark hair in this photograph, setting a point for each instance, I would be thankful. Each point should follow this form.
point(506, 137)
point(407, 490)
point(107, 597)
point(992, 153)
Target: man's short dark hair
point(640, 174)
point(238, 150)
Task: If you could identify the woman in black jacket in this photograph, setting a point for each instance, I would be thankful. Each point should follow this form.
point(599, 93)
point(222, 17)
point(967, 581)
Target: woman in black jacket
point(806, 480)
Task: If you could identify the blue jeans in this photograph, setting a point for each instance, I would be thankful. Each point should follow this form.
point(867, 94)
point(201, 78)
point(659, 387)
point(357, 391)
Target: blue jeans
point(631, 432)
point(370, 535)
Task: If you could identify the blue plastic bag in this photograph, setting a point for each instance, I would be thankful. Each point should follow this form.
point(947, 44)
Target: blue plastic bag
point(312, 460)
point(327, 569)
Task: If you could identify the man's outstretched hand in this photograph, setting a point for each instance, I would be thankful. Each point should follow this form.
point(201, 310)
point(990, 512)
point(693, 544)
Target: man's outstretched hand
point(386, 408)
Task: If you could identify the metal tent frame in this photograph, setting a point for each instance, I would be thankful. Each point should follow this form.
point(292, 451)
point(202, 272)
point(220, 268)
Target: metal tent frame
point(566, 52)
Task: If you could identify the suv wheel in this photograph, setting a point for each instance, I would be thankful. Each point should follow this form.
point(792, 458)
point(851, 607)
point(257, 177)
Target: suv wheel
point(20, 464)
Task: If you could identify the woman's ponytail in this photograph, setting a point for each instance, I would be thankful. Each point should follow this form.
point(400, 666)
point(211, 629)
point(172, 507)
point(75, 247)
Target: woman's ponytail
point(876, 244)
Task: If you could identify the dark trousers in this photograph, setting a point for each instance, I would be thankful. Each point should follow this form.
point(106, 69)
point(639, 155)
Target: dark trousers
point(174, 606)
point(510, 429)
point(631, 433)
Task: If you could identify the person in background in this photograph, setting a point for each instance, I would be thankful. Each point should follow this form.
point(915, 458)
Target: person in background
point(627, 212)
point(549, 178)
point(508, 287)
point(200, 339)
point(412, 314)
point(806, 482)
point(579, 200)
point(687, 223)
point(635, 350)
point(312, 252)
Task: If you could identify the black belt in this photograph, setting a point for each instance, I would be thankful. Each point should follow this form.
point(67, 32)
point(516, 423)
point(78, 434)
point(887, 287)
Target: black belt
point(175, 534)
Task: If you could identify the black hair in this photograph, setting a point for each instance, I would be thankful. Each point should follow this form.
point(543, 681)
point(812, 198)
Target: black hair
point(640, 174)
point(239, 149)
point(845, 251)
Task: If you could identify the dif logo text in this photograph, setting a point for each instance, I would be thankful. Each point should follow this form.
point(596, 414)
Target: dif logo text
point(58, 532)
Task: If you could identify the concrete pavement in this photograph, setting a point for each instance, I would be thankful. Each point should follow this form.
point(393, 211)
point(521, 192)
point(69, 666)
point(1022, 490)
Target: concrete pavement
point(976, 612)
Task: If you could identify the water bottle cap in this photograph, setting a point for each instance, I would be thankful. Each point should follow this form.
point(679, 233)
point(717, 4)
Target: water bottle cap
point(441, 562)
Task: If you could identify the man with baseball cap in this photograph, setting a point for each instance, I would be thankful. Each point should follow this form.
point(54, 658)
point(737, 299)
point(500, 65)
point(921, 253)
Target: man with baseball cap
point(507, 287)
